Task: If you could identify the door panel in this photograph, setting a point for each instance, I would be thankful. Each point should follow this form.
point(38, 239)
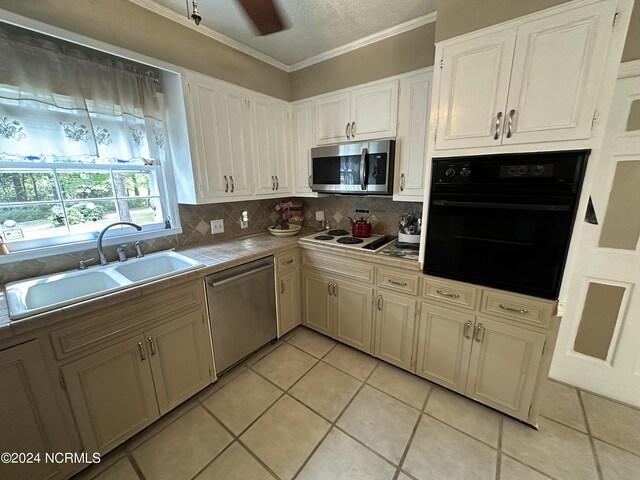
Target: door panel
point(504, 366)
point(474, 88)
point(180, 357)
point(318, 302)
point(353, 323)
point(280, 140)
point(237, 129)
point(265, 170)
point(331, 118)
point(395, 319)
point(288, 301)
point(112, 394)
point(303, 138)
point(558, 64)
point(374, 111)
point(443, 349)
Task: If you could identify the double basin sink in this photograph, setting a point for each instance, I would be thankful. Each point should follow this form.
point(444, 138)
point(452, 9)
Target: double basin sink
point(37, 295)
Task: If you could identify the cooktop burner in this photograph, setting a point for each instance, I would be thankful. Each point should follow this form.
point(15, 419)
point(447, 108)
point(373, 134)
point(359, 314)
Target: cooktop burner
point(323, 237)
point(350, 240)
point(337, 233)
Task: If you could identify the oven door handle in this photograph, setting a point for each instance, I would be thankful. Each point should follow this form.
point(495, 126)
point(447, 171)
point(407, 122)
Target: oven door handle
point(503, 206)
point(363, 175)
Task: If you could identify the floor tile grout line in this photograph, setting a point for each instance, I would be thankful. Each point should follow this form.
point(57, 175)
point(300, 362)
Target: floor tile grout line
point(396, 398)
point(134, 464)
point(413, 434)
point(535, 469)
point(499, 456)
point(493, 447)
point(592, 443)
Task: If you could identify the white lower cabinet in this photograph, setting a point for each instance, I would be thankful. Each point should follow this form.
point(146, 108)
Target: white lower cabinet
point(31, 418)
point(118, 391)
point(338, 308)
point(394, 328)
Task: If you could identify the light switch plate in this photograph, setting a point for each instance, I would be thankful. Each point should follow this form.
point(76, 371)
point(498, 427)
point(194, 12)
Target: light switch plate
point(217, 226)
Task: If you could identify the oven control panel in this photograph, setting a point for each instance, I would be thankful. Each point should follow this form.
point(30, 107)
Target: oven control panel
point(526, 171)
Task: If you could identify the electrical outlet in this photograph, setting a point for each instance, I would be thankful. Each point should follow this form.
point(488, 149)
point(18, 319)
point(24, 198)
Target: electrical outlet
point(244, 219)
point(217, 226)
point(320, 215)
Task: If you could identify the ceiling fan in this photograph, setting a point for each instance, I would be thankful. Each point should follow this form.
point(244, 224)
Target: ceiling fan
point(263, 14)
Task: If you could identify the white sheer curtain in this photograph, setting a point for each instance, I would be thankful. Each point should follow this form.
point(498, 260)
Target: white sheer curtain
point(59, 102)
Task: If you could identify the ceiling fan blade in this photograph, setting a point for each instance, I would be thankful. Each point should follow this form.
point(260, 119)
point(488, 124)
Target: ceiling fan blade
point(264, 15)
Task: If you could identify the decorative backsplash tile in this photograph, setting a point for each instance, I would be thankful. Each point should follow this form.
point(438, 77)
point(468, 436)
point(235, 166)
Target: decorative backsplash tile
point(196, 228)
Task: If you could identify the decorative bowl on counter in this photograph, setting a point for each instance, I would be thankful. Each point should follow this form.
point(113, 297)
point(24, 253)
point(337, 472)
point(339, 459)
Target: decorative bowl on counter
point(289, 232)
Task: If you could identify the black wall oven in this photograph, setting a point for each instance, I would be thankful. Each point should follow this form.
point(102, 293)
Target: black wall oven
point(504, 221)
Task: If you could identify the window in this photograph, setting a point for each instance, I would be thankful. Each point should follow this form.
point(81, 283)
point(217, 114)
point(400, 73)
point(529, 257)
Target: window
point(82, 143)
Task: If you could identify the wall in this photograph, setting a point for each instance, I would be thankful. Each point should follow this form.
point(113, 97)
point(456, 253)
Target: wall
point(401, 53)
point(196, 229)
point(126, 25)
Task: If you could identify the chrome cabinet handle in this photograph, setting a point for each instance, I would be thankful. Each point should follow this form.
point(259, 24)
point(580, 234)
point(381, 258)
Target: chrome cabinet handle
point(380, 302)
point(288, 262)
point(142, 355)
point(510, 123)
point(496, 136)
point(273, 182)
point(347, 131)
point(402, 182)
point(277, 183)
point(516, 310)
point(353, 129)
point(281, 287)
point(467, 329)
point(447, 294)
point(335, 290)
point(233, 184)
point(400, 284)
point(226, 184)
point(363, 178)
point(480, 333)
point(152, 345)
point(329, 287)
point(310, 181)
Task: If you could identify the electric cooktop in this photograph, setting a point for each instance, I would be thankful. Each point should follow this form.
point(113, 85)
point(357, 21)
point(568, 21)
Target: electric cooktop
point(342, 238)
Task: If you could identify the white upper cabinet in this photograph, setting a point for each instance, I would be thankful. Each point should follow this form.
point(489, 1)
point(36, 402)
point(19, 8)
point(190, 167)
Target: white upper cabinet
point(362, 113)
point(302, 126)
point(411, 141)
point(536, 81)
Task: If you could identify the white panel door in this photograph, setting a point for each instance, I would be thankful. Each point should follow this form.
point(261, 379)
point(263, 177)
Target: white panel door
point(317, 302)
point(618, 376)
point(235, 129)
point(557, 68)
point(474, 85)
point(302, 143)
point(353, 314)
point(374, 111)
point(395, 320)
point(411, 142)
point(263, 147)
point(332, 118)
point(280, 142)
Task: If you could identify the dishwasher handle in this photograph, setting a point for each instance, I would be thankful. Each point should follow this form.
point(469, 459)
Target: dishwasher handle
point(237, 277)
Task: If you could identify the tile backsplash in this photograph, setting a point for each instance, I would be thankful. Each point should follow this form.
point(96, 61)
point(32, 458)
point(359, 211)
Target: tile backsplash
point(196, 228)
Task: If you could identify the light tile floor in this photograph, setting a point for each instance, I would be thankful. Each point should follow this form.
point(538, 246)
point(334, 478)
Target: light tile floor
point(311, 409)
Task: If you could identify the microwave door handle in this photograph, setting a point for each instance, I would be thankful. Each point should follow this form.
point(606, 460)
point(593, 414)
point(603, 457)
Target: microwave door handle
point(503, 206)
point(363, 165)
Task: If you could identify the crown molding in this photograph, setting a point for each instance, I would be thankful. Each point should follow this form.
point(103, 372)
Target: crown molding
point(209, 32)
point(376, 37)
point(629, 69)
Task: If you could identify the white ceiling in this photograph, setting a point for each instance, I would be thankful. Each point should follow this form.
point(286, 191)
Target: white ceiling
point(315, 26)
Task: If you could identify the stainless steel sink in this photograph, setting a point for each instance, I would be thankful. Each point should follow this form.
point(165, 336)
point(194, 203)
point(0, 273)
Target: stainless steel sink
point(37, 295)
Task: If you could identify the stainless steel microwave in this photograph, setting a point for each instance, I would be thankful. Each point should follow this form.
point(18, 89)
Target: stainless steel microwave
point(358, 168)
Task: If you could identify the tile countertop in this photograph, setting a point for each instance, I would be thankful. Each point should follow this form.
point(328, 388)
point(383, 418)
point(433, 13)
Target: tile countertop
point(215, 257)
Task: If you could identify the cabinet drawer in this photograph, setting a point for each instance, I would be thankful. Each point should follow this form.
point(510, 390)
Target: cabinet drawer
point(106, 326)
point(398, 281)
point(452, 293)
point(287, 261)
point(334, 264)
point(516, 307)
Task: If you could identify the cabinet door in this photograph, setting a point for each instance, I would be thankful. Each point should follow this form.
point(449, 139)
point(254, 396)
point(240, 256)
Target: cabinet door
point(557, 69)
point(411, 142)
point(29, 415)
point(374, 111)
point(112, 394)
point(213, 161)
point(280, 141)
point(444, 346)
point(353, 317)
point(263, 146)
point(474, 83)
point(318, 302)
point(235, 129)
point(303, 141)
point(504, 366)
point(395, 319)
point(331, 119)
point(288, 301)
point(181, 359)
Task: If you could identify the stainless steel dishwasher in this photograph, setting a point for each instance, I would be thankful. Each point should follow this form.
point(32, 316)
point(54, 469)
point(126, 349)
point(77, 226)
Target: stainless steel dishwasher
point(242, 311)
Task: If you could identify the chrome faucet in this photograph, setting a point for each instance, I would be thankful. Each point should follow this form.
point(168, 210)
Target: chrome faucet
point(103, 258)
